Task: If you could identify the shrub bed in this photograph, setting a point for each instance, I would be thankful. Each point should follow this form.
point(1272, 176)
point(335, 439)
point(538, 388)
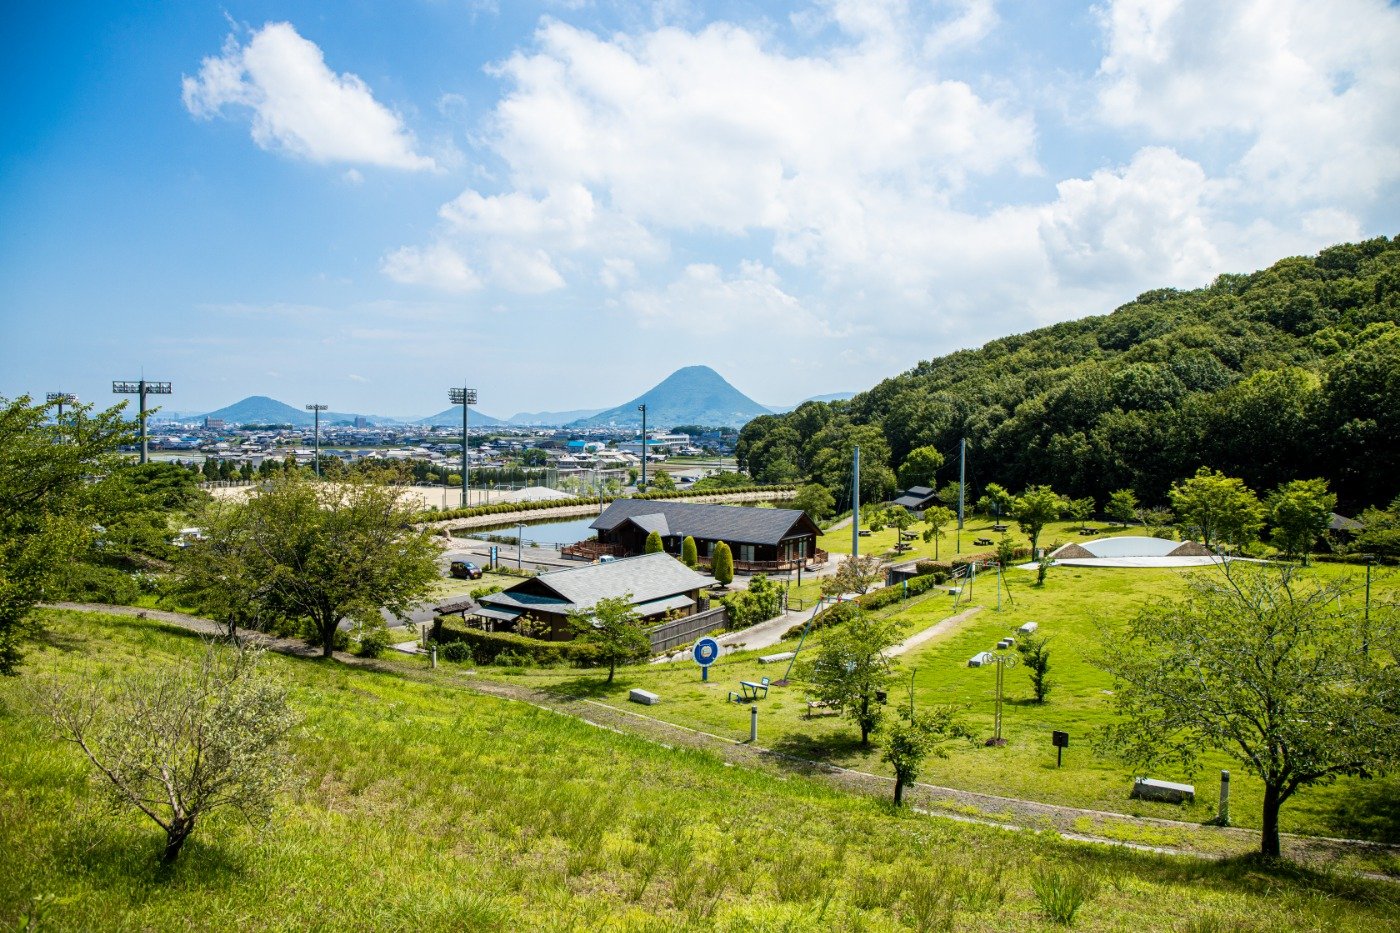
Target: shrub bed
point(507, 647)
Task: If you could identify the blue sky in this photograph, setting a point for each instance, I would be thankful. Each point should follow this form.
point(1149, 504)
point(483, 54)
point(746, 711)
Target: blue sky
point(559, 203)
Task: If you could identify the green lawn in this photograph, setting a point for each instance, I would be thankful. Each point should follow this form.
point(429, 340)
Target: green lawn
point(1070, 608)
point(950, 546)
point(418, 806)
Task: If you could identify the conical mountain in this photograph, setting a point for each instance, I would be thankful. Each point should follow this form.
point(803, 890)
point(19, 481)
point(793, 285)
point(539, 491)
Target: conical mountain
point(692, 395)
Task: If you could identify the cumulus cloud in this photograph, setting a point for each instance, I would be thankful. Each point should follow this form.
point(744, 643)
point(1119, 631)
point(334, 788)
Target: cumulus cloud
point(437, 266)
point(298, 105)
point(703, 300)
point(1308, 92)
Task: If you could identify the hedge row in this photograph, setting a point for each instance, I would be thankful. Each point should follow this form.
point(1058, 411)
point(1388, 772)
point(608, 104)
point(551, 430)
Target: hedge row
point(500, 508)
point(507, 647)
point(877, 599)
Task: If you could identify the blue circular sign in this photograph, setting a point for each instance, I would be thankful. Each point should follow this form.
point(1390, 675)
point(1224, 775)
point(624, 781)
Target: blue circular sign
point(705, 652)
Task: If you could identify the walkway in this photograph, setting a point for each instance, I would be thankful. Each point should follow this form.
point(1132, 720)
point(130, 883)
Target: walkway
point(933, 631)
point(1094, 826)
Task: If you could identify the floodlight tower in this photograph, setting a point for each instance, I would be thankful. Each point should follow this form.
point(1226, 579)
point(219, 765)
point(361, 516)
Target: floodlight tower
point(316, 408)
point(643, 410)
point(60, 399)
point(466, 398)
point(142, 388)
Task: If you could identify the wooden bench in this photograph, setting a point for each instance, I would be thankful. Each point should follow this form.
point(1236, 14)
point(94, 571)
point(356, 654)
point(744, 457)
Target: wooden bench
point(823, 705)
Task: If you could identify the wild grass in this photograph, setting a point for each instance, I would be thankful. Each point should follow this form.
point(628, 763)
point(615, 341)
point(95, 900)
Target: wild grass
point(417, 806)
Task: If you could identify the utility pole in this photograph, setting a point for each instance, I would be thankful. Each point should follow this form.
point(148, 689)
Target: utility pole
point(142, 388)
point(643, 410)
point(962, 480)
point(466, 398)
point(855, 503)
point(316, 408)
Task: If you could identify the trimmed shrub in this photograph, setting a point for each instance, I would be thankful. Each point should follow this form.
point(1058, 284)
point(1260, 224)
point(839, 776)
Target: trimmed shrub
point(722, 564)
point(690, 556)
point(508, 648)
point(373, 641)
point(458, 651)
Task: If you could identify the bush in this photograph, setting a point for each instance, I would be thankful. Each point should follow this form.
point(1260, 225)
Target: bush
point(507, 648)
point(90, 583)
point(1062, 893)
point(481, 591)
point(759, 603)
point(458, 651)
point(833, 615)
point(373, 641)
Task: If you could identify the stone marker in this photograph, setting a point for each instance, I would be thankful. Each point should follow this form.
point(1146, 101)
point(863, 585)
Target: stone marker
point(644, 697)
point(980, 658)
point(1028, 628)
point(1151, 789)
point(775, 658)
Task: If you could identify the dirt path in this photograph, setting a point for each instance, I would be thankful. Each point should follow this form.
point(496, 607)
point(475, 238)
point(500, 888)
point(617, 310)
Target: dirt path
point(1170, 837)
point(933, 631)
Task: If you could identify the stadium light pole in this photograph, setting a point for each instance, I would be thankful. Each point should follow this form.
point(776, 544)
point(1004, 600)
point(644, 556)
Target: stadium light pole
point(643, 410)
point(316, 408)
point(142, 388)
point(60, 399)
point(466, 398)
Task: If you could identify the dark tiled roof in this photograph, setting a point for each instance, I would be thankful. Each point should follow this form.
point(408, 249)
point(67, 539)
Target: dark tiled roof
point(733, 524)
point(1342, 523)
point(913, 499)
point(648, 577)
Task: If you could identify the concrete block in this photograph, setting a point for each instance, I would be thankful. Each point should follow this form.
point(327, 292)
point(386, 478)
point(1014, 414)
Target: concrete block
point(1028, 628)
point(775, 658)
point(980, 658)
point(644, 697)
point(1152, 789)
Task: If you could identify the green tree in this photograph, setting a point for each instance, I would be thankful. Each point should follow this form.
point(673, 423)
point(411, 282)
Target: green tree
point(1035, 508)
point(722, 564)
point(816, 500)
point(653, 544)
point(995, 501)
point(920, 467)
point(901, 520)
point(661, 481)
point(533, 457)
point(323, 553)
point(1220, 507)
point(1080, 510)
point(851, 667)
point(614, 629)
point(949, 495)
point(690, 556)
point(913, 737)
point(938, 518)
point(45, 504)
point(854, 575)
point(1299, 512)
point(1270, 671)
point(1122, 506)
point(760, 602)
point(1035, 655)
point(181, 742)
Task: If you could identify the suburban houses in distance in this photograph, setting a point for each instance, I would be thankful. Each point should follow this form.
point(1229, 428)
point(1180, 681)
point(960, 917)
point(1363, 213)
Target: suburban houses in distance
point(762, 540)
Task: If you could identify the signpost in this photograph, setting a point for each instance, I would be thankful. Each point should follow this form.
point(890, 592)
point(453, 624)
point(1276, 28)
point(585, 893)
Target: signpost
point(705, 653)
point(1061, 742)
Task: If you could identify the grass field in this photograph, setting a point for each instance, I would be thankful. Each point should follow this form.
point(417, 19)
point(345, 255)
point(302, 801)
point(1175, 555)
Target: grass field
point(421, 806)
point(1070, 608)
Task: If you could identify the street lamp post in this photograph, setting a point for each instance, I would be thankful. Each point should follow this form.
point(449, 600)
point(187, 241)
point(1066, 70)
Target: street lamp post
point(316, 408)
point(519, 545)
point(60, 399)
point(466, 398)
point(142, 388)
point(643, 410)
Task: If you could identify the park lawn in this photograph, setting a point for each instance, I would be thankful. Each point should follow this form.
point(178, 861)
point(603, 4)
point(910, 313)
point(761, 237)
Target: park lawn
point(417, 805)
point(1070, 609)
point(838, 541)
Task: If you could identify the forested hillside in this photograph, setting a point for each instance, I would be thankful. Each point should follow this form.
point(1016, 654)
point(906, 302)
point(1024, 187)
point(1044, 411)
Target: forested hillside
point(1286, 373)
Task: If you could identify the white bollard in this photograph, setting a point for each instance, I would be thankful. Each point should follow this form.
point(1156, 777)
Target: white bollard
point(434, 657)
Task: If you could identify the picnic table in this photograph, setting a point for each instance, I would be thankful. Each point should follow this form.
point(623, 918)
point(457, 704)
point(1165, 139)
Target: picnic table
point(983, 542)
point(754, 691)
point(999, 528)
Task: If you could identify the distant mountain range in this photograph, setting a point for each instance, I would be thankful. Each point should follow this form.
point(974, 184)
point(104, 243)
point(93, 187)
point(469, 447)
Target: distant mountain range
point(693, 395)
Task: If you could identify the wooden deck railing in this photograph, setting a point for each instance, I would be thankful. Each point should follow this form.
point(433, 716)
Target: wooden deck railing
point(591, 550)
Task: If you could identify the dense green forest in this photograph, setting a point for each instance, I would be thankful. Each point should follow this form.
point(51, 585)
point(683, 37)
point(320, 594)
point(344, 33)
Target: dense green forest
point(1286, 373)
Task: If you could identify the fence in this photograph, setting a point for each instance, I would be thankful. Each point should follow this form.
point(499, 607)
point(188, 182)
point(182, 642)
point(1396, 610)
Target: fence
point(682, 631)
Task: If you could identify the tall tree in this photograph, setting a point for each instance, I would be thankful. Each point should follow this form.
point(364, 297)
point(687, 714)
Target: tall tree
point(995, 501)
point(854, 575)
point(1035, 508)
point(653, 543)
point(45, 503)
point(920, 467)
point(816, 500)
point(851, 667)
point(1080, 510)
point(690, 556)
point(614, 629)
point(937, 517)
point(913, 737)
point(1299, 512)
point(722, 564)
point(326, 552)
point(1266, 669)
point(1122, 506)
point(1221, 507)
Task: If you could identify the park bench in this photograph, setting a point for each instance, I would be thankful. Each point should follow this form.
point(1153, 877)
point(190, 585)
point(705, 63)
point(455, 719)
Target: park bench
point(776, 658)
point(1152, 789)
point(983, 542)
point(823, 705)
point(999, 528)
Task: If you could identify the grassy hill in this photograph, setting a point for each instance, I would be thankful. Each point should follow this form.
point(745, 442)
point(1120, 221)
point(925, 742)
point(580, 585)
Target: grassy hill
point(421, 806)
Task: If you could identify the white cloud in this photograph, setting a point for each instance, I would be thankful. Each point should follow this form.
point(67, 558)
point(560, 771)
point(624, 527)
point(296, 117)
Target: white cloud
point(436, 266)
point(299, 106)
point(702, 300)
point(1308, 92)
point(527, 271)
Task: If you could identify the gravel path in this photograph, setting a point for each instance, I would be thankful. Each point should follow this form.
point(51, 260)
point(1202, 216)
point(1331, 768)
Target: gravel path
point(1194, 840)
point(933, 631)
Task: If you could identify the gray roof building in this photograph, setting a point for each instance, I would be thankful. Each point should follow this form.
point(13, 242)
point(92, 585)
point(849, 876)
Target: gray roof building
point(656, 583)
point(730, 523)
point(917, 498)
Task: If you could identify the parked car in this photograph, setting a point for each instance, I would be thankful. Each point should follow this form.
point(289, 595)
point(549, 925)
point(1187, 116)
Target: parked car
point(465, 570)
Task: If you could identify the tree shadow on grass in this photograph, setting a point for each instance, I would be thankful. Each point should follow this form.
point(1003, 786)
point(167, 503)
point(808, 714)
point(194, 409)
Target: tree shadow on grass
point(587, 688)
point(124, 858)
point(1369, 810)
point(810, 754)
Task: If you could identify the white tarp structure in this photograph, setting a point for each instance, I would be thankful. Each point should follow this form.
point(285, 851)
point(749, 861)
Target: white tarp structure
point(1132, 551)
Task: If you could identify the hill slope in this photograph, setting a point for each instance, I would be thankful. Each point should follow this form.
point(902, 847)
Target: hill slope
point(560, 825)
point(692, 395)
point(452, 418)
point(1281, 374)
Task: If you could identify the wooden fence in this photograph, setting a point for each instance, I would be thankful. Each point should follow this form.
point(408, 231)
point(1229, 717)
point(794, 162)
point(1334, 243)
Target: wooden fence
point(686, 629)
